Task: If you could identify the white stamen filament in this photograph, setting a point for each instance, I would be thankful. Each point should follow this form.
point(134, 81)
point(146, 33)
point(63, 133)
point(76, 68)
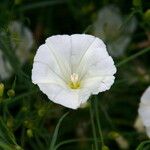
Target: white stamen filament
point(74, 78)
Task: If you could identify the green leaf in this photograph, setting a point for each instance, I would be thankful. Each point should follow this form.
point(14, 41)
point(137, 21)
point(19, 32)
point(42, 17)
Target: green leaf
point(54, 138)
point(6, 135)
point(93, 126)
point(142, 145)
point(75, 141)
point(137, 3)
point(98, 120)
point(5, 146)
point(7, 139)
point(41, 4)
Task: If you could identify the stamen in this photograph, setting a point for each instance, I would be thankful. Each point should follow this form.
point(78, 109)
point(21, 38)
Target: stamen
point(74, 81)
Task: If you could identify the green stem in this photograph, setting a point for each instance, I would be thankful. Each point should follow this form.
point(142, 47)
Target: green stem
point(74, 141)
point(22, 137)
point(93, 126)
point(10, 101)
point(107, 117)
point(41, 4)
point(133, 56)
point(141, 146)
point(87, 28)
point(98, 120)
point(54, 138)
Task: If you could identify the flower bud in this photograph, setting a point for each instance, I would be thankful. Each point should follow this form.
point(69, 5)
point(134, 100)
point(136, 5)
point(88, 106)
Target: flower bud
point(1, 89)
point(113, 135)
point(41, 112)
point(138, 125)
point(29, 133)
point(120, 140)
point(24, 109)
point(137, 3)
point(17, 2)
point(11, 93)
point(85, 105)
point(28, 124)
point(10, 122)
point(147, 16)
point(17, 147)
point(105, 147)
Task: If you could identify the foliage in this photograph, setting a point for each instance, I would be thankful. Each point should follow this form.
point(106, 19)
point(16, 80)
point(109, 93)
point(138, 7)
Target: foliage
point(28, 118)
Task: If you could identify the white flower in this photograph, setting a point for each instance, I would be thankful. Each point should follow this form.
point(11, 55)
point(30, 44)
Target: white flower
point(144, 110)
point(22, 41)
point(108, 28)
point(68, 69)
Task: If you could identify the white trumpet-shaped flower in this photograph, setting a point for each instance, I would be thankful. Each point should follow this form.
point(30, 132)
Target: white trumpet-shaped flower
point(144, 110)
point(109, 27)
point(68, 69)
point(21, 41)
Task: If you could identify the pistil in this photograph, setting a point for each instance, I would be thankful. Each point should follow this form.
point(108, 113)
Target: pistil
point(74, 81)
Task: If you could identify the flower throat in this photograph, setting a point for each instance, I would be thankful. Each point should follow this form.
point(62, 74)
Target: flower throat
point(74, 81)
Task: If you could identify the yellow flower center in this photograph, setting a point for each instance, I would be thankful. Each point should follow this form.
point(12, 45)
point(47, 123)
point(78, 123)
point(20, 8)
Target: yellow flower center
point(74, 81)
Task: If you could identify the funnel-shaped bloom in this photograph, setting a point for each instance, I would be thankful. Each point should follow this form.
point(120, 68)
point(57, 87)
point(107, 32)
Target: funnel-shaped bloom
point(144, 110)
point(110, 27)
point(68, 69)
point(21, 41)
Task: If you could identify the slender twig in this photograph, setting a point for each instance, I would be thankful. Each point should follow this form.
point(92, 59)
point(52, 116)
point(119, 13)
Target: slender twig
point(9, 101)
point(54, 137)
point(74, 141)
point(130, 58)
point(41, 4)
point(141, 146)
point(107, 117)
point(93, 126)
point(87, 28)
point(98, 120)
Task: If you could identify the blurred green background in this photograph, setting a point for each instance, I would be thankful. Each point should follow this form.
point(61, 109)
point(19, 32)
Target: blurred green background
point(27, 117)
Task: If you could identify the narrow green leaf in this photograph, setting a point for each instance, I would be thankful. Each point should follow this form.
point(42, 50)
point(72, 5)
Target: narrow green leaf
point(14, 83)
point(74, 141)
point(5, 146)
point(54, 138)
point(141, 146)
point(98, 120)
point(132, 57)
point(20, 97)
point(41, 4)
point(5, 133)
point(93, 126)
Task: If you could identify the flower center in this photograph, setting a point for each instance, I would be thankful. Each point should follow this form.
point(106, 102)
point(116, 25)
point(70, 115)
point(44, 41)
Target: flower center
point(74, 81)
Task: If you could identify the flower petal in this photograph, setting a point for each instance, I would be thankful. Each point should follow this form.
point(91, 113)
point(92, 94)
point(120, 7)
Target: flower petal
point(148, 131)
point(145, 99)
point(5, 68)
point(144, 110)
point(100, 68)
point(61, 95)
point(108, 22)
point(60, 48)
point(22, 39)
point(80, 45)
point(117, 47)
point(42, 73)
point(50, 68)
